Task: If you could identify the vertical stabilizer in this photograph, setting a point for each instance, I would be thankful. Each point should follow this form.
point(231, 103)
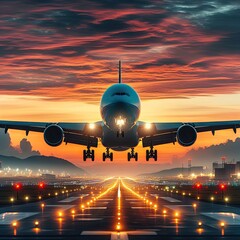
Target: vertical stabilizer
point(119, 72)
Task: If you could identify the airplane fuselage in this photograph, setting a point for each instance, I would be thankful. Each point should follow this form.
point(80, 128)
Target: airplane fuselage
point(120, 109)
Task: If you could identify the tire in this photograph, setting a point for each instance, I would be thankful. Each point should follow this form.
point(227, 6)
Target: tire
point(129, 156)
point(147, 155)
point(136, 157)
point(104, 157)
point(155, 155)
point(84, 155)
point(111, 156)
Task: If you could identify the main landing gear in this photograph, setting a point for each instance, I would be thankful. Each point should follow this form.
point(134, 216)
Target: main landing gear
point(151, 154)
point(88, 154)
point(107, 154)
point(132, 155)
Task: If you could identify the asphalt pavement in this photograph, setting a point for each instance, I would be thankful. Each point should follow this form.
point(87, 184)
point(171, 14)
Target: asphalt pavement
point(119, 210)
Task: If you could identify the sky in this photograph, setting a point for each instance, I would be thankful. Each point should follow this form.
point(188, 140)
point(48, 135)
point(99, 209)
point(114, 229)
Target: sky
point(58, 57)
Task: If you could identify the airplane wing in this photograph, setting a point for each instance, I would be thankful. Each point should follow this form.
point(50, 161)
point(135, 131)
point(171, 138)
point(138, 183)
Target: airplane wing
point(183, 133)
point(55, 133)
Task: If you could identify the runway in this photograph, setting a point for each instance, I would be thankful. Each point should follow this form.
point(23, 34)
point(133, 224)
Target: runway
point(120, 209)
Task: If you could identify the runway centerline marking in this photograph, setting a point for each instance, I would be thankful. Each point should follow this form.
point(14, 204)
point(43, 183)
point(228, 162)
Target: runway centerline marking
point(88, 219)
point(119, 236)
point(97, 208)
point(169, 199)
point(8, 217)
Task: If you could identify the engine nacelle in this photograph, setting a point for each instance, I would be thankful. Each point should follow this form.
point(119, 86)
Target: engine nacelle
point(53, 135)
point(186, 135)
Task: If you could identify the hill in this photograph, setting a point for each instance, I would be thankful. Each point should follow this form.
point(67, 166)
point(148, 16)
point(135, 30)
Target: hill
point(41, 164)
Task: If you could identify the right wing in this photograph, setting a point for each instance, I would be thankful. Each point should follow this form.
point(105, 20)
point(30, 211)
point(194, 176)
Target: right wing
point(163, 133)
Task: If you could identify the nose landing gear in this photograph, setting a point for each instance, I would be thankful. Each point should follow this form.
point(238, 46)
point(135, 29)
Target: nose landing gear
point(107, 154)
point(120, 134)
point(132, 154)
point(151, 154)
point(88, 154)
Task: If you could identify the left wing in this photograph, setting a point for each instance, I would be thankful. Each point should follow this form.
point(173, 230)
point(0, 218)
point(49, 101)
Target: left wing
point(55, 133)
point(184, 133)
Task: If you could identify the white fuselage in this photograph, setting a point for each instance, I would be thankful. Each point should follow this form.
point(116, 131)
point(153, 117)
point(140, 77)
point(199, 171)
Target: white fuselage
point(120, 109)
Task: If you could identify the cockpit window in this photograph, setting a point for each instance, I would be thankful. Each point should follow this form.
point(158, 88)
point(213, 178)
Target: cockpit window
point(120, 94)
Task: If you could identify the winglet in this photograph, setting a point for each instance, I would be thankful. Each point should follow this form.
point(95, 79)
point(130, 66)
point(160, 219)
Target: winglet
point(119, 72)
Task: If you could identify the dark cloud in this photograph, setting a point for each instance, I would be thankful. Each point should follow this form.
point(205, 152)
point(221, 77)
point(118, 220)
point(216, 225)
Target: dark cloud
point(53, 45)
point(7, 149)
point(26, 148)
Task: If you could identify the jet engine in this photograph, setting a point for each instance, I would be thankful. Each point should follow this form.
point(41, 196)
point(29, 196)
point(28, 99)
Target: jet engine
point(53, 135)
point(186, 135)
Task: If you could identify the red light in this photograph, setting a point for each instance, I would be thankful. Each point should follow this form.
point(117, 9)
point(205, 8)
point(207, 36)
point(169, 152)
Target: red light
point(41, 185)
point(222, 186)
point(17, 186)
point(198, 185)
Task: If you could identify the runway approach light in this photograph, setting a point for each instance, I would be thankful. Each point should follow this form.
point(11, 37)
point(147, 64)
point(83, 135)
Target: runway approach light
point(118, 227)
point(60, 214)
point(14, 224)
point(36, 224)
point(199, 224)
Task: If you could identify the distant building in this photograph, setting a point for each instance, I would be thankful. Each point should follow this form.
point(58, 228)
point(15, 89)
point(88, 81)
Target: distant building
point(48, 176)
point(237, 167)
point(225, 171)
point(0, 165)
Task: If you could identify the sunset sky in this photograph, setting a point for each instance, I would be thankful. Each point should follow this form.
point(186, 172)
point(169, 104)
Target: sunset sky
point(58, 57)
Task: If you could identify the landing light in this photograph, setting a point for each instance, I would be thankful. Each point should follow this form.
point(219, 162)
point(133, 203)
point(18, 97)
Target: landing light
point(148, 126)
point(91, 126)
point(120, 121)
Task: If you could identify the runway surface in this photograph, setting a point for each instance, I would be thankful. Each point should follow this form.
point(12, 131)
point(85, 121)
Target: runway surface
point(120, 209)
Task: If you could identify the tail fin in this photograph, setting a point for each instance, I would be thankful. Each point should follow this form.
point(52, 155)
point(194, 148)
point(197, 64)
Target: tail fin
point(119, 71)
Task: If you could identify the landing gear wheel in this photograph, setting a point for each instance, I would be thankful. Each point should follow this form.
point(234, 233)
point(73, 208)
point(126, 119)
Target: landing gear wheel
point(129, 156)
point(147, 155)
point(107, 154)
point(88, 154)
point(155, 155)
point(151, 154)
point(84, 155)
point(132, 154)
point(136, 157)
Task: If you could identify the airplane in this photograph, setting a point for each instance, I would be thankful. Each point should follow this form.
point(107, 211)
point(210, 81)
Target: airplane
point(120, 128)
